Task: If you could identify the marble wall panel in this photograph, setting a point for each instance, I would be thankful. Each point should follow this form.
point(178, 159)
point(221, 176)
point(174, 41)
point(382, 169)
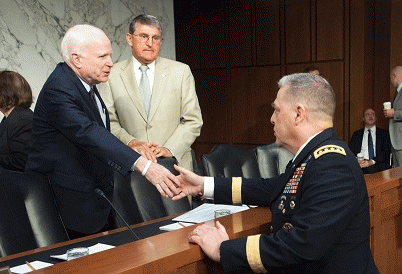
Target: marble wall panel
point(31, 30)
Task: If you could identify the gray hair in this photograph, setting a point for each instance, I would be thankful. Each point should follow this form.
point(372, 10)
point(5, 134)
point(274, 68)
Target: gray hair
point(144, 20)
point(77, 38)
point(313, 91)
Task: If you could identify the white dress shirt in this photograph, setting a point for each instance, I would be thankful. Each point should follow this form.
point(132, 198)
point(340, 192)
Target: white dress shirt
point(364, 148)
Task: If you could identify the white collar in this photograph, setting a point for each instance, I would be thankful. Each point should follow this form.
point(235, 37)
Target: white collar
point(137, 65)
point(304, 145)
point(372, 129)
point(86, 85)
point(398, 89)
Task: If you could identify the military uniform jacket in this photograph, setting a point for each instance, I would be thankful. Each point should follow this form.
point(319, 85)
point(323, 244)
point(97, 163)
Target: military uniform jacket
point(320, 215)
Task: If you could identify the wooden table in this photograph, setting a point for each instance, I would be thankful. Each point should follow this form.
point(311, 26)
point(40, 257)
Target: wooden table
point(164, 253)
point(385, 196)
point(171, 253)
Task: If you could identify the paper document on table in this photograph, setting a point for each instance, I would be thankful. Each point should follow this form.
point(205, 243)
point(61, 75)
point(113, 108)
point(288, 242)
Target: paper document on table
point(92, 249)
point(24, 268)
point(206, 212)
point(175, 226)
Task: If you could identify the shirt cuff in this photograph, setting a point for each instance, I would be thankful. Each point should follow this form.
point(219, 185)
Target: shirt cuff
point(133, 166)
point(209, 187)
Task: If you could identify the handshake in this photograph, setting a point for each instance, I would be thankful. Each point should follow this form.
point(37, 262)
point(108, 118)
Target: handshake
point(169, 185)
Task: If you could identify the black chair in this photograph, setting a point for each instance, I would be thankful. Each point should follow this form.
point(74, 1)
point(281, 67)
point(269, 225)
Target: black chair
point(138, 200)
point(228, 161)
point(272, 159)
point(28, 216)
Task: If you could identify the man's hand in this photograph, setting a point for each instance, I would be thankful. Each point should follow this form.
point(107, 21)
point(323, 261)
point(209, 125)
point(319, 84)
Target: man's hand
point(165, 182)
point(144, 148)
point(209, 238)
point(388, 113)
point(190, 183)
point(365, 163)
point(162, 152)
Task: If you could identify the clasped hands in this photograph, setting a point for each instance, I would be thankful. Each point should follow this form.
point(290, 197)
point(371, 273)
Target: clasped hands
point(151, 151)
point(365, 163)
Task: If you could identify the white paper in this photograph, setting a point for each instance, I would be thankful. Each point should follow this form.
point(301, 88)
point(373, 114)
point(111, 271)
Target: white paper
point(206, 212)
point(26, 269)
point(174, 226)
point(92, 249)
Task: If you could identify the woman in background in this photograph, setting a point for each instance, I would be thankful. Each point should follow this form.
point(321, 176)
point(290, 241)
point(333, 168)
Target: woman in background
point(16, 126)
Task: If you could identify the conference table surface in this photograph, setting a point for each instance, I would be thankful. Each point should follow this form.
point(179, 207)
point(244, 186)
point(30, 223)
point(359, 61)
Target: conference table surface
point(157, 251)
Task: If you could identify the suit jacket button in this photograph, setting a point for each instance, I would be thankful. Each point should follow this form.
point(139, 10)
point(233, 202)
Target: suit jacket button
point(271, 229)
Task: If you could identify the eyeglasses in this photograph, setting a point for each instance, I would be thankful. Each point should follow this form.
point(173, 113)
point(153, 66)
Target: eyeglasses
point(144, 38)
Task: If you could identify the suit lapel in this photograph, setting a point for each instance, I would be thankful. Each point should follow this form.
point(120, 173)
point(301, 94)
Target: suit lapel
point(85, 95)
point(157, 90)
point(360, 138)
point(3, 126)
point(378, 139)
point(131, 85)
point(103, 108)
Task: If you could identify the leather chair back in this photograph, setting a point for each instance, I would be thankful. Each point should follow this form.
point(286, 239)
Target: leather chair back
point(228, 161)
point(272, 159)
point(28, 217)
point(138, 200)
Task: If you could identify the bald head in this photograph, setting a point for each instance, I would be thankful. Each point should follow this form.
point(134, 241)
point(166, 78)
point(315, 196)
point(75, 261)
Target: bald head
point(396, 76)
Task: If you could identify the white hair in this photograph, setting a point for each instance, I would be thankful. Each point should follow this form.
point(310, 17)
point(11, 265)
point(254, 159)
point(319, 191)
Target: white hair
point(77, 38)
point(313, 90)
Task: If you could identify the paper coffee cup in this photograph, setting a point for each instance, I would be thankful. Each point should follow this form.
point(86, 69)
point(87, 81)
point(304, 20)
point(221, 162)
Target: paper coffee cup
point(387, 105)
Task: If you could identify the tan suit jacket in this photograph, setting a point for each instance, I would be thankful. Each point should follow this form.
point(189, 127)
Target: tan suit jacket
point(174, 119)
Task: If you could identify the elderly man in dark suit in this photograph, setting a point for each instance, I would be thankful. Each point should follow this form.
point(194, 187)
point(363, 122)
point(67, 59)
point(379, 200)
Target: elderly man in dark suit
point(373, 143)
point(319, 205)
point(72, 142)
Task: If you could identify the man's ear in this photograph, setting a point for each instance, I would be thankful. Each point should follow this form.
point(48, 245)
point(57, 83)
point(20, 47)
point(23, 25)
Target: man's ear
point(76, 60)
point(301, 114)
point(129, 39)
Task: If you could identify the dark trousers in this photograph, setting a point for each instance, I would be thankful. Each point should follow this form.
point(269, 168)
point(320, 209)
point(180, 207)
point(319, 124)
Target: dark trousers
point(110, 224)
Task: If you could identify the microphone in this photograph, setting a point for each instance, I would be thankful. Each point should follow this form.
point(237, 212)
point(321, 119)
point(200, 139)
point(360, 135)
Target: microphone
point(100, 193)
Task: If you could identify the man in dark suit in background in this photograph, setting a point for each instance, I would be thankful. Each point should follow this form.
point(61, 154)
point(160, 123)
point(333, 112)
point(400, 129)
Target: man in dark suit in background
point(72, 142)
point(377, 151)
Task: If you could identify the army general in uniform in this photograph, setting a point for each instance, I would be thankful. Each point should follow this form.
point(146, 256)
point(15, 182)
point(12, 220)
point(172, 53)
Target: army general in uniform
point(319, 205)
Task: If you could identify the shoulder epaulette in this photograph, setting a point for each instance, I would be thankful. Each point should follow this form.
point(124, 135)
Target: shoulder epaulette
point(328, 149)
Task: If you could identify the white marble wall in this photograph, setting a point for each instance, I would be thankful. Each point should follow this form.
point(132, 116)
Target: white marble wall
point(31, 30)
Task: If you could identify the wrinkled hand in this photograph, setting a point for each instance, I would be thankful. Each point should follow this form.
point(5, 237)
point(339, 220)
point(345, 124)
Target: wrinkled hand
point(190, 183)
point(209, 238)
point(144, 148)
point(165, 182)
point(162, 152)
point(388, 113)
point(365, 163)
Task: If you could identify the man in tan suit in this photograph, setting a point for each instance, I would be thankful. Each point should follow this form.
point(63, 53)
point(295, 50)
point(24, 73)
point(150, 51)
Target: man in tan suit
point(152, 102)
